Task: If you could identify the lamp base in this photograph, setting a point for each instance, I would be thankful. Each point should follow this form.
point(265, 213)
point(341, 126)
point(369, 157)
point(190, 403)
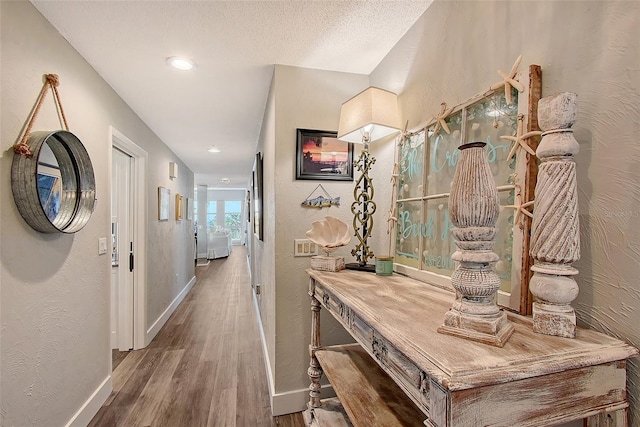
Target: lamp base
point(355, 266)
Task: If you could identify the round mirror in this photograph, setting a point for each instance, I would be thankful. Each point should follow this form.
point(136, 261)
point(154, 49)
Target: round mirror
point(54, 189)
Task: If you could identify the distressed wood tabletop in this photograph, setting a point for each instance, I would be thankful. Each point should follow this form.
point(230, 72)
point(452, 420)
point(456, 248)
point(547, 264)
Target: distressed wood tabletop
point(408, 313)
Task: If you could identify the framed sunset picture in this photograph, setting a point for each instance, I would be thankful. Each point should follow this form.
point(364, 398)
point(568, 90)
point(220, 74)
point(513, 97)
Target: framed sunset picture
point(321, 156)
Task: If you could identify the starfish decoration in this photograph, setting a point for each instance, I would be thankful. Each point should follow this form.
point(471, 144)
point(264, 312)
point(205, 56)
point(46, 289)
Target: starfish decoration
point(521, 209)
point(393, 215)
point(509, 80)
point(393, 219)
point(440, 119)
point(520, 138)
point(404, 133)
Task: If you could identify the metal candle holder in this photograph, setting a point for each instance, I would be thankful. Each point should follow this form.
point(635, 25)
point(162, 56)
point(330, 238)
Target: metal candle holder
point(363, 209)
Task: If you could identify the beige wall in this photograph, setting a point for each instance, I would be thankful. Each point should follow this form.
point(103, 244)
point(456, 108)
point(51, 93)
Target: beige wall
point(54, 289)
point(591, 48)
point(308, 99)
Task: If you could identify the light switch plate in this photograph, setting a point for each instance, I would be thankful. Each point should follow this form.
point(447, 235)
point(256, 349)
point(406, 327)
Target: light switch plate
point(102, 245)
point(304, 247)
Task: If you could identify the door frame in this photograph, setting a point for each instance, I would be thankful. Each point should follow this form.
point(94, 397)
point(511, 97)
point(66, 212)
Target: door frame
point(123, 279)
point(139, 187)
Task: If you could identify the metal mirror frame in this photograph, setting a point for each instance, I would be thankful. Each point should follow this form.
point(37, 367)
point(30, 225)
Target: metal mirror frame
point(78, 183)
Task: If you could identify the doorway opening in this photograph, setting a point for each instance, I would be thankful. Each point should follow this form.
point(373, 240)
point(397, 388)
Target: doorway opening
point(122, 255)
point(128, 213)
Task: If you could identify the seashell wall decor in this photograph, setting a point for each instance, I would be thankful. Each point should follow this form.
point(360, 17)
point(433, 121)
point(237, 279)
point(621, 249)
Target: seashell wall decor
point(329, 234)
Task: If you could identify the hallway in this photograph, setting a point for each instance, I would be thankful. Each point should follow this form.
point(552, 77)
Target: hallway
point(205, 367)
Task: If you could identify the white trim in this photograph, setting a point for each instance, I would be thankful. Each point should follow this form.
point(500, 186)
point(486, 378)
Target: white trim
point(425, 276)
point(158, 324)
point(265, 351)
point(293, 401)
point(289, 401)
point(139, 176)
point(251, 283)
point(91, 407)
point(504, 298)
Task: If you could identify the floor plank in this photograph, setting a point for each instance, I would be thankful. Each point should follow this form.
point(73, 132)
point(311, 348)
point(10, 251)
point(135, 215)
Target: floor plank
point(204, 367)
point(153, 394)
point(117, 357)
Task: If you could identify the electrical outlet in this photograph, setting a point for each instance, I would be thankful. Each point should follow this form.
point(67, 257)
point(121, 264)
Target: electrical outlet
point(304, 247)
point(257, 289)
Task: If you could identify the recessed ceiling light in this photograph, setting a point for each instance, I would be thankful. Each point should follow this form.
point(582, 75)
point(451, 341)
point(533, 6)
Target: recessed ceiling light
point(225, 180)
point(183, 64)
point(214, 149)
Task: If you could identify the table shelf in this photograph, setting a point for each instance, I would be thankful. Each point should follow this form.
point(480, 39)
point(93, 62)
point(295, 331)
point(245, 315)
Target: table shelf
point(368, 395)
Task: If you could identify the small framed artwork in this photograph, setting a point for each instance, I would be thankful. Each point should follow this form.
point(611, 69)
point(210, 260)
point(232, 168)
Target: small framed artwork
point(321, 156)
point(189, 208)
point(163, 204)
point(179, 207)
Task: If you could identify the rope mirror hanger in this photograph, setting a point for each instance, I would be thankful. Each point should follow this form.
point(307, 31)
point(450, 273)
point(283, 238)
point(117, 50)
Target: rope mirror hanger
point(52, 177)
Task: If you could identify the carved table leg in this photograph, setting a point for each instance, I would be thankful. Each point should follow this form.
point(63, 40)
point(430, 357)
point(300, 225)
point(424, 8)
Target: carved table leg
point(609, 419)
point(314, 371)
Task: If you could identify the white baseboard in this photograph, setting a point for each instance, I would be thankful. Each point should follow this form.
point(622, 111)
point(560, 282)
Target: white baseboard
point(91, 407)
point(296, 400)
point(158, 324)
point(290, 401)
point(250, 275)
point(265, 353)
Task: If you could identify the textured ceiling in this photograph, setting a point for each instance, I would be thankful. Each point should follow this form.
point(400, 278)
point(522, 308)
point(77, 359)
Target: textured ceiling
point(235, 44)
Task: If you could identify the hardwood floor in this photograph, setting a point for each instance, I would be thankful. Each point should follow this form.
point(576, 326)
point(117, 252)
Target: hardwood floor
point(205, 367)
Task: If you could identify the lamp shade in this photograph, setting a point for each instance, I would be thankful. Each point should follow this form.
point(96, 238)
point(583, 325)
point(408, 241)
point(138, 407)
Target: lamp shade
point(372, 106)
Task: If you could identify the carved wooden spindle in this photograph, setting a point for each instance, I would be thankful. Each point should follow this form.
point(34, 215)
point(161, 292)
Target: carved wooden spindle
point(474, 206)
point(555, 238)
point(314, 371)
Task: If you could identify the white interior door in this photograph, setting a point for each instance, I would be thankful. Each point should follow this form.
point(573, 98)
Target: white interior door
point(122, 276)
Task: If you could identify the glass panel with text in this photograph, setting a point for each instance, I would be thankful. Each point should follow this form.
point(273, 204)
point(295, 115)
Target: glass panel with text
point(427, 161)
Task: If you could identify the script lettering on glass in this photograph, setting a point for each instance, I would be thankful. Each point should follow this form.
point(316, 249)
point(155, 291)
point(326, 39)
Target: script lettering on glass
point(427, 163)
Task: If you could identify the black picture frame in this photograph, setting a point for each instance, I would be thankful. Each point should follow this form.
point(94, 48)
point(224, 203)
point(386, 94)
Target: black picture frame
point(248, 201)
point(321, 156)
point(258, 198)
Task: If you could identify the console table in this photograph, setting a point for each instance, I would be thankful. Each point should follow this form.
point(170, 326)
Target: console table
point(402, 372)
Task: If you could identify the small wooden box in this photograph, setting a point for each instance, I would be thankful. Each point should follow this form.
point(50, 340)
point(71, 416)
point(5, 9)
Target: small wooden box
point(327, 263)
